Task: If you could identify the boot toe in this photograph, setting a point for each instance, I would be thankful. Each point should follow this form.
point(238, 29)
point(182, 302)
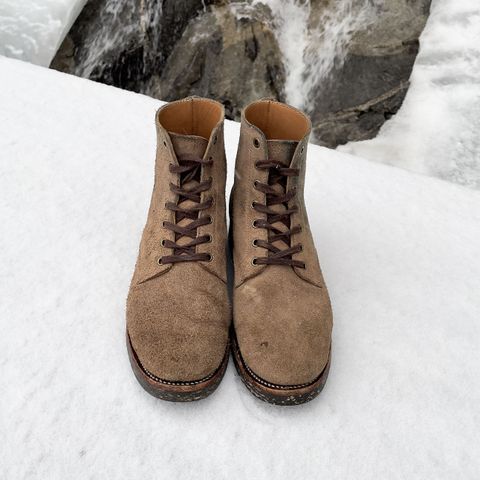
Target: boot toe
point(177, 340)
point(285, 362)
point(285, 340)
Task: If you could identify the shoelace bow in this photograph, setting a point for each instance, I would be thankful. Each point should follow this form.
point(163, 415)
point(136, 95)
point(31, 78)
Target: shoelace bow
point(189, 170)
point(278, 175)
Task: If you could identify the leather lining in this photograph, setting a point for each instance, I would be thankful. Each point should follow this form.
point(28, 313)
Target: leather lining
point(194, 116)
point(277, 120)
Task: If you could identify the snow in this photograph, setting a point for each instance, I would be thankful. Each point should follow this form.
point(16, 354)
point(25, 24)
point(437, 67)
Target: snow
point(436, 131)
point(34, 30)
point(400, 254)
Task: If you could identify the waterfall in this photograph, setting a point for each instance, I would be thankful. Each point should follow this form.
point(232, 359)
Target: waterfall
point(129, 41)
point(314, 40)
point(120, 22)
point(313, 37)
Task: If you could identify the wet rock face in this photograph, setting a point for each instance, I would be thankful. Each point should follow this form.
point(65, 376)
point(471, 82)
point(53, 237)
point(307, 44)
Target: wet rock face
point(236, 62)
point(235, 52)
point(369, 85)
point(173, 48)
point(123, 42)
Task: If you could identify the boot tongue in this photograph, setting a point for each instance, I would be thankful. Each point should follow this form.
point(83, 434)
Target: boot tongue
point(188, 144)
point(281, 151)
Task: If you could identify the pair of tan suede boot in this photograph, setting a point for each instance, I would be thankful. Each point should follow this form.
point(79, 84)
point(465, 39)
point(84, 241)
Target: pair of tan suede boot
point(179, 331)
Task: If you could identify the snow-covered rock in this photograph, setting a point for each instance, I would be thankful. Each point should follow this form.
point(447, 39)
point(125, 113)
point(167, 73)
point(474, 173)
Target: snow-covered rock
point(400, 254)
point(437, 130)
point(33, 30)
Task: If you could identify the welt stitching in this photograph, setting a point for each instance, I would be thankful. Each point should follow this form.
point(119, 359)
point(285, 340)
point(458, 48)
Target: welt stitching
point(168, 382)
point(274, 385)
point(179, 383)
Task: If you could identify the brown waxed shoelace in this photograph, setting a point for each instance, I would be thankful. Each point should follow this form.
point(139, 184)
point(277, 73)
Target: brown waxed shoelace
point(189, 169)
point(278, 175)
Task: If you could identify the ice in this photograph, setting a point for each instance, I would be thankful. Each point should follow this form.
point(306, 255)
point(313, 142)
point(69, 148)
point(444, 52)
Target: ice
point(437, 130)
point(33, 30)
point(400, 254)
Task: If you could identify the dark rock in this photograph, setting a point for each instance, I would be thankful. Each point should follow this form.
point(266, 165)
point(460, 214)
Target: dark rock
point(124, 42)
point(228, 50)
point(359, 122)
point(369, 85)
point(223, 55)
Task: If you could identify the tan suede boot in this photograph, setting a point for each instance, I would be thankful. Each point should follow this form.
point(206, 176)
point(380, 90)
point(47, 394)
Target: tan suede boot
point(282, 314)
point(178, 312)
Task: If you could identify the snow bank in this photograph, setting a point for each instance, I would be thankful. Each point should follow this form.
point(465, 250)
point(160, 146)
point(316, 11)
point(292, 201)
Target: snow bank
point(437, 130)
point(33, 30)
point(400, 254)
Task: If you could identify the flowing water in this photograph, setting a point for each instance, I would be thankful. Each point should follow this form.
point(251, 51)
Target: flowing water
point(312, 43)
point(312, 40)
point(122, 20)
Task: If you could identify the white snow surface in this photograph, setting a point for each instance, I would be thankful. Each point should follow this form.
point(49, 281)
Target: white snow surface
point(33, 30)
point(401, 258)
point(437, 129)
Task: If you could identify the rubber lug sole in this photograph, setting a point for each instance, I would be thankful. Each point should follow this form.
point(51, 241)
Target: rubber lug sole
point(278, 395)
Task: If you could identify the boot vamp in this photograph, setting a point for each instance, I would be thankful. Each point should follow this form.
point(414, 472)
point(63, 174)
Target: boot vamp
point(283, 326)
point(178, 323)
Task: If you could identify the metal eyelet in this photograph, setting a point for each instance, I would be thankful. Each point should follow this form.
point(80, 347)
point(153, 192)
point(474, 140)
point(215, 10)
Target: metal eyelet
point(254, 262)
point(256, 143)
point(210, 220)
point(210, 239)
point(301, 248)
point(254, 225)
point(252, 205)
point(214, 139)
point(162, 243)
point(159, 261)
point(164, 143)
point(210, 258)
point(302, 149)
point(255, 242)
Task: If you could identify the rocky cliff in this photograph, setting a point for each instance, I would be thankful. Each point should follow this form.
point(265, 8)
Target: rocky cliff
point(346, 62)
